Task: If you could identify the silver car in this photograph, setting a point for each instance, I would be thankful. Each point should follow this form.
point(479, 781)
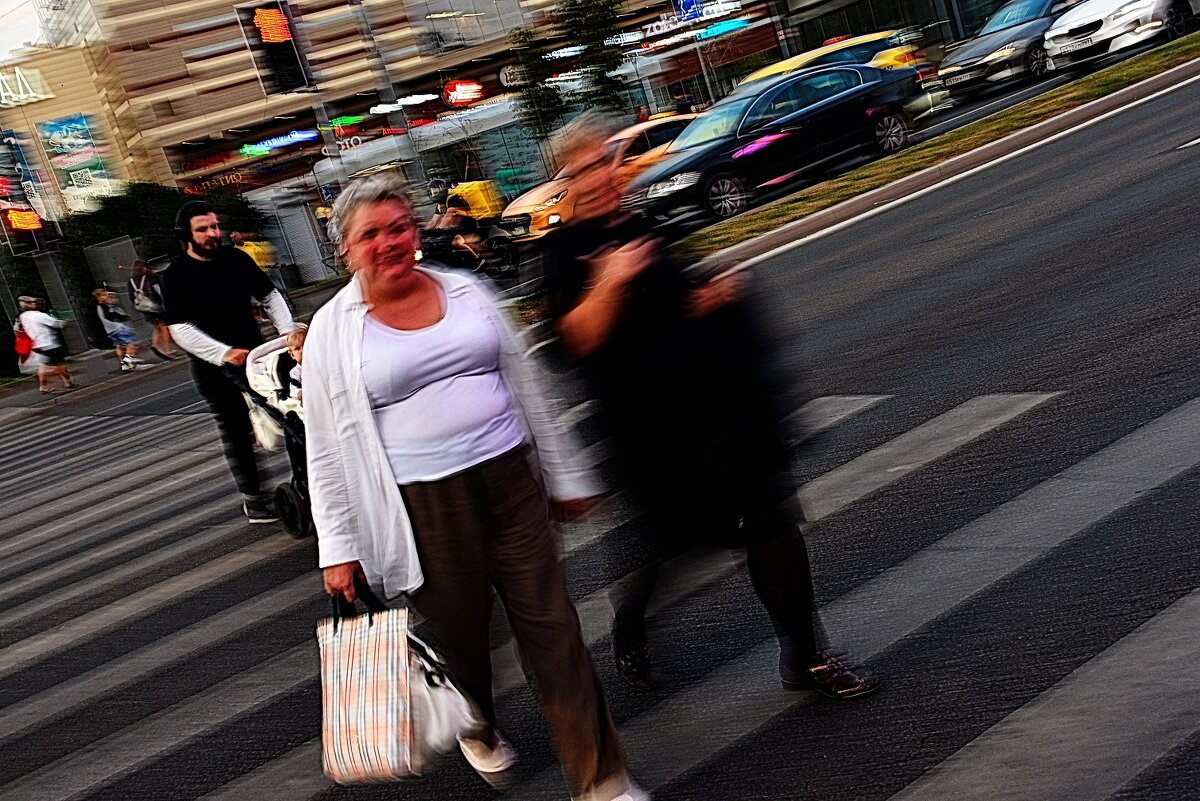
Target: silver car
point(1096, 28)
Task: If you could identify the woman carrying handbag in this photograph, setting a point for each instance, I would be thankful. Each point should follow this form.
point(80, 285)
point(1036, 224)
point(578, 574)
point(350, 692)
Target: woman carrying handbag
point(431, 456)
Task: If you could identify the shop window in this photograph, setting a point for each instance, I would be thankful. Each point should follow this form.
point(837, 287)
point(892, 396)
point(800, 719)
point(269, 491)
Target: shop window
point(859, 18)
point(888, 14)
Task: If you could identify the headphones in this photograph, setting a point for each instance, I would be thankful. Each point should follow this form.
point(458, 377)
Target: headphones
point(183, 218)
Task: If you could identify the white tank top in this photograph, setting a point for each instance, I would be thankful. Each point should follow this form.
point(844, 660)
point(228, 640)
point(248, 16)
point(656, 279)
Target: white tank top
point(439, 401)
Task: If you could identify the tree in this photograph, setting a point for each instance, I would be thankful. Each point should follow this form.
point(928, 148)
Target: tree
point(595, 28)
point(540, 106)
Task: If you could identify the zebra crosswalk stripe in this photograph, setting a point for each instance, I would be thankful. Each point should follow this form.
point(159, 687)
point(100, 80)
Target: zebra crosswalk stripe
point(1092, 732)
point(695, 571)
point(744, 694)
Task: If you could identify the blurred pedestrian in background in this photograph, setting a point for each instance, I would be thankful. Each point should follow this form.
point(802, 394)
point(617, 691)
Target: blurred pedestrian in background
point(674, 363)
point(49, 345)
point(146, 293)
point(207, 292)
point(430, 456)
point(452, 238)
point(116, 324)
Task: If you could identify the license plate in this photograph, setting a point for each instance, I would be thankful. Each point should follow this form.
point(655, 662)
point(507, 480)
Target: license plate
point(1082, 43)
point(966, 76)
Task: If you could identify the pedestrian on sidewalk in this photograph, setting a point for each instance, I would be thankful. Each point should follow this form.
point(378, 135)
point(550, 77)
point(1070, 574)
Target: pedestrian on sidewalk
point(674, 364)
point(120, 332)
point(431, 452)
point(207, 292)
point(49, 346)
point(146, 292)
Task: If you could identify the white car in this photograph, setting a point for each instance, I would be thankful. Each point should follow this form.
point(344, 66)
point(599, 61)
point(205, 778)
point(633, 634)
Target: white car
point(1096, 28)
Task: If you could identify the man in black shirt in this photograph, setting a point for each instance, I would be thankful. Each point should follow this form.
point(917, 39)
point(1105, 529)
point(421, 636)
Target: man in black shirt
point(206, 294)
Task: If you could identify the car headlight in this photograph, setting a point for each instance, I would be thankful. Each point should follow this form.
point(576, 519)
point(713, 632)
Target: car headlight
point(1005, 52)
point(550, 202)
point(672, 184)
point(1136, 5)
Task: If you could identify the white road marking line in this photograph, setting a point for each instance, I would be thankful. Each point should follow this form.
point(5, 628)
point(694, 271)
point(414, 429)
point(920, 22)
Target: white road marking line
point(85, 507)
point(140, 604)
point(914, 449)
point(681, 578)
point(1192, 143)
point(1091, 733)
point(175, 388)
point(124, 572)
point(744, 694)
point(75, 774)
point(775, 252)
point(31, 712)
point(189, 406)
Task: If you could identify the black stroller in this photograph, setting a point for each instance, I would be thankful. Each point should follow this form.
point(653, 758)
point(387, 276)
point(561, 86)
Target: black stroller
point(278, 420)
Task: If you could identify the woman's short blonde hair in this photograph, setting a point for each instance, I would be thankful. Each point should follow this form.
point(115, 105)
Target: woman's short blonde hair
point(295, 339)
point(589, 129)
point(378, 188)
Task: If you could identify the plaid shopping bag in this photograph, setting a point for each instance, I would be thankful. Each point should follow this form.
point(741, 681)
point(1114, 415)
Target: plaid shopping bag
point(387, 703)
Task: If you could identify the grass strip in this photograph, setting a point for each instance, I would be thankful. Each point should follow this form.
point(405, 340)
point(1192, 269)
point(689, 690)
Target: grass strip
point(937, 150)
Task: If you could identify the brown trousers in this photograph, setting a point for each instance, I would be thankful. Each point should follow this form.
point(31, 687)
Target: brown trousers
point(489, 526)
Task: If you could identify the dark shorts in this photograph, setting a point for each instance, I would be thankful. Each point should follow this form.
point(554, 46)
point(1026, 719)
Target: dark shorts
point(54, 356)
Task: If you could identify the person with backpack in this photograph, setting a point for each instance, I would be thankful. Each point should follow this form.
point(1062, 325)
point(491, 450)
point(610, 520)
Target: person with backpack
point(116, 325)
point(146, 293)
point(46, 343)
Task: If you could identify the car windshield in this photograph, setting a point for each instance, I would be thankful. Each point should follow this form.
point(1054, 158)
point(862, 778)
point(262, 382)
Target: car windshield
point(1017, 13)
point(610, 152)
point(718, 122)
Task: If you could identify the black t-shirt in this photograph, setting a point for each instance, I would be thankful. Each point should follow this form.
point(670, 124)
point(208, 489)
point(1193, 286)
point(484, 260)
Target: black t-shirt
point(683, 397)
point(215, 296)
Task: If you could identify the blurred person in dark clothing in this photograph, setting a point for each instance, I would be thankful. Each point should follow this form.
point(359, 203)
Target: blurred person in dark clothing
point(207, 292)
point(674, 364)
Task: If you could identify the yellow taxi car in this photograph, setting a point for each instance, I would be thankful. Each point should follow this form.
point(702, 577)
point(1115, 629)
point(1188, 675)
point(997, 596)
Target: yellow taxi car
point(632, 150)
point(885, 50)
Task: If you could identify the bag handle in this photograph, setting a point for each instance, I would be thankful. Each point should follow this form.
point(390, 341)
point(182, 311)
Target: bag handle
point(346, 609)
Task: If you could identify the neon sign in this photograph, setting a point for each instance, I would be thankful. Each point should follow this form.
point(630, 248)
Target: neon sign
point(462, 93)
point(720, 28)
point(274, 143)
point(5, 187)
point(272, 25)
point(23, 219)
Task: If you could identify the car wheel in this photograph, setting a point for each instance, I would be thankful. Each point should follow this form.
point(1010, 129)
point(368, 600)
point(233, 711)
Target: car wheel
point(1037, 64)
point(293, 511)
point(891, 133)
point(1178, 19)
point(725, 195)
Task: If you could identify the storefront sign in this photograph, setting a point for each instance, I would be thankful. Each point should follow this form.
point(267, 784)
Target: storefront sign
point(75, 156)
point(457, 94)
point(721, 28)
point(511, 76)
point(668, 23)
point(272, 24)
point(19, 87)
point(23, 219)
point(204, 162)
point(348, 143)
point(274, 143)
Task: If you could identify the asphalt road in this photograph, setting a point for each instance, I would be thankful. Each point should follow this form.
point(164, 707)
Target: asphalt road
point(1003, 489)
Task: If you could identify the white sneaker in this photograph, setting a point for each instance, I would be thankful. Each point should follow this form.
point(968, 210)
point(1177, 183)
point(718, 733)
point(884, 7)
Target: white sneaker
point(634, 793)
point(126, 367)
point(133, 360)
point(492, 764)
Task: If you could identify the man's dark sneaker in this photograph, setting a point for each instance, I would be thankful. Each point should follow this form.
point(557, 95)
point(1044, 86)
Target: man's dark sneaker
point(632, 656)
point(830, 676)
point(260, 511)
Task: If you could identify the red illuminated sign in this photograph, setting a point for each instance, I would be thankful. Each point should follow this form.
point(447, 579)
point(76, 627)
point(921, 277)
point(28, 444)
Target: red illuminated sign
point(22, 220)
point(5, 187)
point(272, 25)
point(462, 93)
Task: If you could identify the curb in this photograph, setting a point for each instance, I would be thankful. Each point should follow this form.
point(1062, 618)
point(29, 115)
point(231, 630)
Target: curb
point(17, 413)
point(846, 210)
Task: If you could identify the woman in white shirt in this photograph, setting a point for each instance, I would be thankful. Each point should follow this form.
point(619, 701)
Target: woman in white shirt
point(428, 444)
point(48, 343)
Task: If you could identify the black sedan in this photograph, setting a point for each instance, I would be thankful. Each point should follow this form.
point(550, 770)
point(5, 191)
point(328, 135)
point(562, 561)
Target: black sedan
point(1009, 45)
point(768, 132)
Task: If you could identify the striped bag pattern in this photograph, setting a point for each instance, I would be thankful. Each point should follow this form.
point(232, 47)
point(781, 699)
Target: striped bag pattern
point(387, 703)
